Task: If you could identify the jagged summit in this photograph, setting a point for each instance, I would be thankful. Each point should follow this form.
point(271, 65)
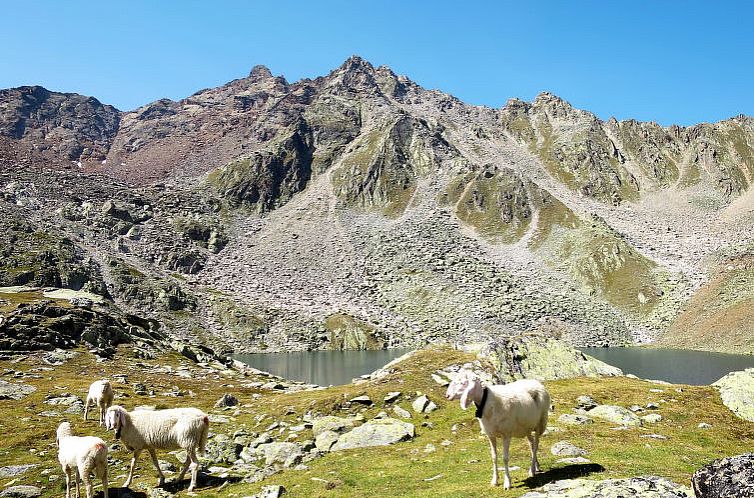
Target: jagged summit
point(356, 63)
point(259, 72)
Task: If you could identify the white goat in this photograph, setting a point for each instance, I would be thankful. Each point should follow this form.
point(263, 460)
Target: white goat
point(84, 454)
point(517, 409)
point(101, 395)
point(172, 429)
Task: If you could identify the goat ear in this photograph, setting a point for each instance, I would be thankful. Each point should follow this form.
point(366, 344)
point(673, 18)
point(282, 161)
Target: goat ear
point(122, 416)
point(465, 395)
point(110, 420)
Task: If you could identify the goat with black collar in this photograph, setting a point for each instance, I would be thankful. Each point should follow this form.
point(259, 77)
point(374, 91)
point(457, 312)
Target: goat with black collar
point(518, 409)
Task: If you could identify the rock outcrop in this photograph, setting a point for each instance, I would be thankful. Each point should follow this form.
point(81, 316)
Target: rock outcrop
point(726, 478)
point(736, 391)
point(541, 357)
point(646, 487)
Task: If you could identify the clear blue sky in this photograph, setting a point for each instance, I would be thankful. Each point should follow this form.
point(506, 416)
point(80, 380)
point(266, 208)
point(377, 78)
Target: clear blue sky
point(668, 61)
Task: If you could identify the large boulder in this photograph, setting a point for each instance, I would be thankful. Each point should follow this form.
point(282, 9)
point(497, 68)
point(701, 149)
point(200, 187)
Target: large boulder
point(21, 492)
point(731, 477)
point(645, 487)
point(616, 415)
point(736, 391)
point(15, 391)
point(330, 423)
point(285, 454)
point(541, 357)
point(377, 432)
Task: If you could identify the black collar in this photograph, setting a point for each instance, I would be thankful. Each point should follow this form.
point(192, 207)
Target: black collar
point(480, 406)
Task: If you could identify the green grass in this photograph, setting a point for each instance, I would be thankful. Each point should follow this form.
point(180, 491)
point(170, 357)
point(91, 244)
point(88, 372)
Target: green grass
point(463, 466)
point(11, 300)
point(496, 206)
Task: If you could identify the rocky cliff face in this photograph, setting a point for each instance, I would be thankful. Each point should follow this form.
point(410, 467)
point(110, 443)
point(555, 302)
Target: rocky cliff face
point(251, 214)
point(38, 126)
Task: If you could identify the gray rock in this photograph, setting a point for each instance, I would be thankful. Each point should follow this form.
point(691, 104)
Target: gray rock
point(325, 440)
point(21, 492)
point(272, 491)
point(330, 423)
point(644, 487)
point(15, 470)
point(222, 449)
point(362, 400)
point(731, 477)
point(401, 412)
point(263, 438)
point(736, 391)
point(420, 403)
point(64, 400)
point(286, 454)
point(574, 419)
point(566, 449)
point(574, 460)
point(654, 436)
point(616, 415)
point(542, 357)
point(586, 402)
point(378, 432)
point(392, 396)
point(652, 418)
point(15, 391)
point(226, 400)
point(704, 425)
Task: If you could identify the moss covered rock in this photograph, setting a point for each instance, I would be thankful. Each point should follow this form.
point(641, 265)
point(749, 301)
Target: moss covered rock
point(541, 357)
point(737, 391)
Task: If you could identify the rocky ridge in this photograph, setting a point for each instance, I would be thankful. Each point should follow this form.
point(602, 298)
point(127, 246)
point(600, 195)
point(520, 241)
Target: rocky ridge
point(359, 210)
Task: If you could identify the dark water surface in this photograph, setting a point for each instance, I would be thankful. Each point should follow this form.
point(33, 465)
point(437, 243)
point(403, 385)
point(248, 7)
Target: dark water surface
point(322, 367)
point(672, 365)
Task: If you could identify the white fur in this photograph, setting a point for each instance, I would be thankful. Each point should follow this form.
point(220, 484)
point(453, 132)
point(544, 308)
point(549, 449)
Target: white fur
point(518, 409)
point(185, 428)
point(86, 454)
point(101, 395)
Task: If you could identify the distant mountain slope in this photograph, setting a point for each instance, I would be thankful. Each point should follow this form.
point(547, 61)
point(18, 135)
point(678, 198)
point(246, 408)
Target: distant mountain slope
point(360, 208)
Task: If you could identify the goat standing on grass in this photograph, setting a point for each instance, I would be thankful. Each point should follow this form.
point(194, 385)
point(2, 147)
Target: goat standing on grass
point(518, 409)
point(185, 428)
point(85, 454)
point(101, 395)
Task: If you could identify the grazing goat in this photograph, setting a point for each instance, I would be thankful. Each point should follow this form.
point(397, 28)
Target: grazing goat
point(83, 454)
point(517, 409)
point(101, 395)
point(172, 429)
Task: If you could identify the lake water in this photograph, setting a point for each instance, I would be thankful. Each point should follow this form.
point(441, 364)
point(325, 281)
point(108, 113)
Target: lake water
point(322, 367)
point(672, 365)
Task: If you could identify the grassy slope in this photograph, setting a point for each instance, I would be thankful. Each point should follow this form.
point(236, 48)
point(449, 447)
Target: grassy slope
point(398, 470)
point(719, 315)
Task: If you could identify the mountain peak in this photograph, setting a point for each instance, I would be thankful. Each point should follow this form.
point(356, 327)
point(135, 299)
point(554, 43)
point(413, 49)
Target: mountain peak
point(356, 63)
point(547, 98)
point(259, 72)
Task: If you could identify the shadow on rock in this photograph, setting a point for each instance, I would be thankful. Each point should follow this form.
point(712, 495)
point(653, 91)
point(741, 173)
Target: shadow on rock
point(121, 493)
point(573, 471)
point(203, 481)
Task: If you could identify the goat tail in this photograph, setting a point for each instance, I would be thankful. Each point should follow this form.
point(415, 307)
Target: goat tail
point(204, 434)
